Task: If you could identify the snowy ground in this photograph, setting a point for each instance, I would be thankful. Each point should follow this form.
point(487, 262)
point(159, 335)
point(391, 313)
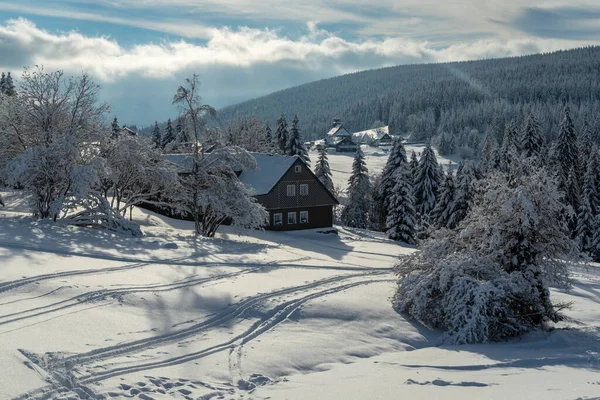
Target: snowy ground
point(296, 315)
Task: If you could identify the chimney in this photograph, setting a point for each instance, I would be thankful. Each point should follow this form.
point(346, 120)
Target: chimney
point(336, 122)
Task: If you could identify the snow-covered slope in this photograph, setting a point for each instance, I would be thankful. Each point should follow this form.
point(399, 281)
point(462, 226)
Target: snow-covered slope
point(256, 315)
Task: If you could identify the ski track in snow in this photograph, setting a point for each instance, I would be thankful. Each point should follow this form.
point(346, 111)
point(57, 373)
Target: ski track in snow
point(61, 368)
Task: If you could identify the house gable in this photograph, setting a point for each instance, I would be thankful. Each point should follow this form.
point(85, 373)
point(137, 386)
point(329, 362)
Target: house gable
point(280, 197)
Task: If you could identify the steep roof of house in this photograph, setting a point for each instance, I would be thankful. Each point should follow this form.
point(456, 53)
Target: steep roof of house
point(345, 142)
point(371, 134)
point(270, 169)
point(338, 130)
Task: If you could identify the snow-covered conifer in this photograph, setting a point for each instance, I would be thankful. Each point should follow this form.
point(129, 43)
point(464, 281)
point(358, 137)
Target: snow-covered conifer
point(414, 166)
point(401, 219)
point(355, 214)
point(383, 194)
point(322, 170)
point(156, 136)
point(169, 135)
point(282, 134)
point(3, 83)
point(295, 144)
point(115, 128)
point(488, 280)
point(268, 136)
point(532, 139)
point(565, 152)
point(427, 182)
point(464, 193)
point(440, 215)
point(10, 86)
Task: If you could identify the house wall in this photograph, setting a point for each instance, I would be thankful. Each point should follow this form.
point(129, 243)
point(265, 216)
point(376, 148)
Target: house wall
point(278, 198)
point(318, 217)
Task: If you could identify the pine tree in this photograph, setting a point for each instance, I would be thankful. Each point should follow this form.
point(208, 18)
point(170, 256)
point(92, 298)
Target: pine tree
point(10, 86)
point(591, 182)
point(427, 182)
point(414, 166)
point(169, 135)
point(509, 149)
point(180, 132)
point(489, 154)
point(3, 83)
point(355, 214)
point(156, 136)
point(565, 151)
point(115, 128)
point(386, 182)
point(282, 134)
point(532, 139)
point(441, 213)
point(585, 226)
point(401, 219)
point(295, 145)
point(463, 199)
point(268, 136)
point(322, 170)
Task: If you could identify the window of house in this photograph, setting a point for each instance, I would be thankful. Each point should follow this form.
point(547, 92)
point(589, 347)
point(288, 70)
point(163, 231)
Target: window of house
point(304, 189)
point(277, 219)
point(298, 168)
point(291, 190)
point(291, 218)
point(304, 217)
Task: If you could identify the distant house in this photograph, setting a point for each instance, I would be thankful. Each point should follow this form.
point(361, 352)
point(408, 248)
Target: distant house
point(346, 146)
point(337, 133)
point(373, 137)
point(286, 187)
point(125, 131)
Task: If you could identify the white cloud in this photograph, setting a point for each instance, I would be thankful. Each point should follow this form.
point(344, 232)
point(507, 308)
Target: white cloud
point(234, 65)
point(22, 41)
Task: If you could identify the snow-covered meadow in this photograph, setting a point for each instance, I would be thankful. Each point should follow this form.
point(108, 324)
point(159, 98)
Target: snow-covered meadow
point(251, 315)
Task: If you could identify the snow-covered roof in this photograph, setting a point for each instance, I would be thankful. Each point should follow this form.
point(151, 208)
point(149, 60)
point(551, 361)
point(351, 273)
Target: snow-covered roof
point(270, 169)
point(184, 162)
point(338, 130)
point(371, 134)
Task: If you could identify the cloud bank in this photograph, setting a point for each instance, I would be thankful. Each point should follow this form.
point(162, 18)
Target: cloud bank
point(234, 64)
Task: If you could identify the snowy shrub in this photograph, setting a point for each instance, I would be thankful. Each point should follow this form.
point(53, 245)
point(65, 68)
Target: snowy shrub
point(488, 279)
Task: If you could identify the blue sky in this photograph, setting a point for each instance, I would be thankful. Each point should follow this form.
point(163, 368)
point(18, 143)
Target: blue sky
point(140, 50)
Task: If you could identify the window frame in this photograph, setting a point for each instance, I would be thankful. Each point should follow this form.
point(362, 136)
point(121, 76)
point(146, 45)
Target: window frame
point(297, 168)
point(275, 219)
point(295, 214)
point(291, 193)
point(300, 218)
point(304, 185)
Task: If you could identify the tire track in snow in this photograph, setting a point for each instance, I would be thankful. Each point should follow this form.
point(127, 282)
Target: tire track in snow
point(271, 319)
point(228, 314)
point(101, 294)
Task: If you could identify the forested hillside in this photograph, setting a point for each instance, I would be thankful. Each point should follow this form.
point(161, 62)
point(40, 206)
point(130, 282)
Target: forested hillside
point(450, 97)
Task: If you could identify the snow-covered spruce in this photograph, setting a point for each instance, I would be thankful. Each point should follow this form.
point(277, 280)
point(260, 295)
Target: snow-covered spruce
point(169, 135)
point(356, 212)
point(156, 136)
point(384, 192)
point(295, 145)
point(488, 280)
point(282, 134)
point(322, 170)
point(565, 152)
point(463, 195)
point(440, 216)
point(401, 220)
point(532, 140)
point(427, 182)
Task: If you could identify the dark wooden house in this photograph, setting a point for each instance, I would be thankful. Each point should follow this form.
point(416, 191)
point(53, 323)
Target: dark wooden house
point(346, 146)
point(287, 188)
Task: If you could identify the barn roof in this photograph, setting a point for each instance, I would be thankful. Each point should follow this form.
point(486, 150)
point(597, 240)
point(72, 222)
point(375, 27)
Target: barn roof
point(338, 130)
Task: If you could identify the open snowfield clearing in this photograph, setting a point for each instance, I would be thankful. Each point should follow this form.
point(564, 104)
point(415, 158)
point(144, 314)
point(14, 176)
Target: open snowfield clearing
point(251, 315)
